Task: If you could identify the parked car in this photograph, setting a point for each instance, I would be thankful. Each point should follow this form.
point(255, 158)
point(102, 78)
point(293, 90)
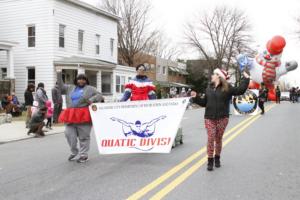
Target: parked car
point(285, 96)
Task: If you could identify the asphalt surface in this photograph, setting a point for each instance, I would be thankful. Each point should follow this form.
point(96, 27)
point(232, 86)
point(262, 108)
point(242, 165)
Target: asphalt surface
point(260, 163)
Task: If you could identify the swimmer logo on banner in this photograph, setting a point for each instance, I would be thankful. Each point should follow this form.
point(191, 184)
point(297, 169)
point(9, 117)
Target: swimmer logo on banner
point(137, 126)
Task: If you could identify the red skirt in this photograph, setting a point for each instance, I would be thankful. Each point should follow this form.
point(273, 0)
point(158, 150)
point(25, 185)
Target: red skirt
point(75, 116)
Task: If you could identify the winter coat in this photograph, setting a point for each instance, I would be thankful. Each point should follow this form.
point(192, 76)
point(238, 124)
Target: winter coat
point(41, 97)
point(90, 93)
point(49, 109)
point(139, 88)
point(28, 96)
point(217, 102)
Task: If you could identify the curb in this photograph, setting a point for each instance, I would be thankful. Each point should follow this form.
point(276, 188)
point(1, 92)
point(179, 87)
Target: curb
point(27, 138)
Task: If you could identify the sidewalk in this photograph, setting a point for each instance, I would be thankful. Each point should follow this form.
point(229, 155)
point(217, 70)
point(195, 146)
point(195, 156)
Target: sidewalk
point(16, 130)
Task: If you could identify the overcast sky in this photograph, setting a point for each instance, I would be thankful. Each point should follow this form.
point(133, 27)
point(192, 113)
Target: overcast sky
point(267, 17)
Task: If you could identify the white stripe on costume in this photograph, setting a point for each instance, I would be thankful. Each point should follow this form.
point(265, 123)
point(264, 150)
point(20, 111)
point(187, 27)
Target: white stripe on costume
point(141, 84)
point(151, 92)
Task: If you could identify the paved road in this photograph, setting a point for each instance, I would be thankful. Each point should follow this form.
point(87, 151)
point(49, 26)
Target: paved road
point(262, 162)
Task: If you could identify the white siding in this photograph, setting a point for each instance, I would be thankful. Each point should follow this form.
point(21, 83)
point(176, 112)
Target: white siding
point(46, 15)
point(75, 18)
point(14, 18)
point(122, 71)
point(159, 74)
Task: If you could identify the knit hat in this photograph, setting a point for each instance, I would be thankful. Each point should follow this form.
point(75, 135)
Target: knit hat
point(81, 77)
point(221, 73)
point(275, 45)
point(139, 66)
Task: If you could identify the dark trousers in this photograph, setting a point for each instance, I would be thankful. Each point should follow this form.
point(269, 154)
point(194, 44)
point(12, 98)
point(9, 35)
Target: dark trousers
point(49, 122)
point(261, 106)
point(57, 111)
point(277, 99)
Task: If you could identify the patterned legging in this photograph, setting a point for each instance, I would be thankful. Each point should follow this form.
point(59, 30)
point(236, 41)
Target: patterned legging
point(215, 130)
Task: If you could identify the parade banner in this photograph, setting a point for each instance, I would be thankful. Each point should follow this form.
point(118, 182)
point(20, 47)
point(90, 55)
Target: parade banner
point(246, 104)
point(137, 126)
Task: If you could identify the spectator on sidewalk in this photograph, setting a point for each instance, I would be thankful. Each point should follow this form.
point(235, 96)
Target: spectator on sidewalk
point(5, 102)
point(49, 115)
point(17, 108)
point(183, 93)
point(77, 116)
point(216, 102)
point(36, 123)
point(41, 95)
point(189, 92)
point(57, 101)
point(278, 94)
point(11, 105)
point(28, 96)
point(293, 95)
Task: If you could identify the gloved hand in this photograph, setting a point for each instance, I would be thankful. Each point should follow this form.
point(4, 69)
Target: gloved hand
point(244, 62)
point(291, 65)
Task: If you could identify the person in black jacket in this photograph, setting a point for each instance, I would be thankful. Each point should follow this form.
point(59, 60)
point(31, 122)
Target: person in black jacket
point(262, 97)
point(28, 96)
point(216, 101)
point(278, 94)
point(57, 101)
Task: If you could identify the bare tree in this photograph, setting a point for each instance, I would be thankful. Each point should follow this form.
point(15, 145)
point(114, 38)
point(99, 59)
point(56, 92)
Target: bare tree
point(219, 36)
point(134, 32)
point(163, 47)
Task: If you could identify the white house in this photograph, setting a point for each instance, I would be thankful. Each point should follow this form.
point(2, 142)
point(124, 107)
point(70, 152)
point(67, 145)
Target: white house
point(67, 34)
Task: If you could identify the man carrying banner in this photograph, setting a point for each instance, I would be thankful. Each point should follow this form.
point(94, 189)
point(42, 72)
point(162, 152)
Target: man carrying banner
point(140, 87)
point(77, 116)
point(216, 103)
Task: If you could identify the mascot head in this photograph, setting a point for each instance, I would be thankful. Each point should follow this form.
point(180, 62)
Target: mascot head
point(274, 49)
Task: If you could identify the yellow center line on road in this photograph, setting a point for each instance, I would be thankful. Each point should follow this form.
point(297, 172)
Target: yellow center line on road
point(140, 193)
point(167, 189)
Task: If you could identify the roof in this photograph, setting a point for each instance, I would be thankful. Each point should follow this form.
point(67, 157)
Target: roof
point(181, 85)
point(76, 60)
point(94, 9)
point(7, 44)
point(178, 70)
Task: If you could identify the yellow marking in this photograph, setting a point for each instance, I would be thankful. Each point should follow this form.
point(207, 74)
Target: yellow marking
point(143, 191)
point(163, 192)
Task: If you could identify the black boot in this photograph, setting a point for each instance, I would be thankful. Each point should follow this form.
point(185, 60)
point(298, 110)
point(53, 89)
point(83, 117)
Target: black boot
point(217, 161)
point(210, 164)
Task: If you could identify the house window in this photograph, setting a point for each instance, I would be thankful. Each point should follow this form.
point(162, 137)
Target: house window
point(97, 46)
point(3, 73)
point(68, 75)
point(164, 70)
point(106, 82)
point(80, 40)
point(31, 36)
point(112, 46)
point(62, 36)
point(120, 84)
point(129, 78)
point(31, 75)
